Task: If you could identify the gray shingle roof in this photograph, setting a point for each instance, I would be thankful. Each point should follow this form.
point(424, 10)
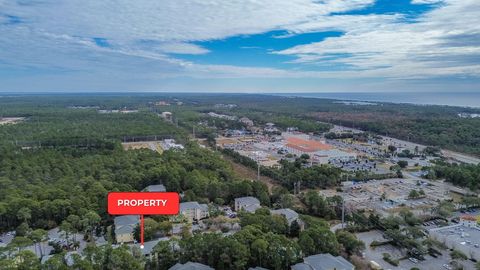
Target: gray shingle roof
point(124, 229)
point(125, 224)
point(149, 245)
point(126, 220)
point(190, 266)
point(251, 208)
point(323, 262)
point(301, 266)
point(156, 188)
point(289, 214)
point(247, 200)
point(193, 205)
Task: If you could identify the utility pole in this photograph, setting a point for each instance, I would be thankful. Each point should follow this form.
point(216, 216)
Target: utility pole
point(258, 172)
point(343, 212)
point(194, 132)
point(258, 168)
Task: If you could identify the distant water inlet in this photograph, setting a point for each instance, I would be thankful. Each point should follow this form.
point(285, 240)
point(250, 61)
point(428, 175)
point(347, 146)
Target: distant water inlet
point(462, 99)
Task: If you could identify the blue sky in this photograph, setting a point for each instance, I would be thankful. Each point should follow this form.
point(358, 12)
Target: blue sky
point(240, 45)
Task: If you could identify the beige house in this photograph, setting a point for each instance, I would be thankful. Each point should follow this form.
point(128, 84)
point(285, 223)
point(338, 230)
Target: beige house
point(193, 211)
point(124, 227)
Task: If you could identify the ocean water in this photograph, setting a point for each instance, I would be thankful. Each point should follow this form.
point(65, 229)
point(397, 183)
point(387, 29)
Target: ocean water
point(462, 99)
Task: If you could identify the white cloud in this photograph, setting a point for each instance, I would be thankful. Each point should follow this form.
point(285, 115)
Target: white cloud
point(423, 2)
point(172, 20)
point(59, 33)
point(58, 36)
point(385, 46)
point(182, 48)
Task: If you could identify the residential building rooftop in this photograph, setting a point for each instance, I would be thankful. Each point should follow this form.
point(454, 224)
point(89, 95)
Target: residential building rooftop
point(288, 213)
point(323, 262)
point(155, 188)
point(191, 266)
point(247, 200)
point(126, 220)
point(193, 205)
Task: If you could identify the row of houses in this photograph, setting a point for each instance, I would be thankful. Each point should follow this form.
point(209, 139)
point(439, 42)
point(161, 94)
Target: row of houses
point(193, 212)
point(315, 262)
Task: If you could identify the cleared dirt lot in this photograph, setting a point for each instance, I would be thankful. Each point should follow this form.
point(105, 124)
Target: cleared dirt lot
point(249, 173)
point(152, 145)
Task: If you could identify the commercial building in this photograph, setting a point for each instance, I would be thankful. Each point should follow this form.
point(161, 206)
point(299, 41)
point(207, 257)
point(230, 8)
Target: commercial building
point(464, 236)
point(326, 156)
point(168, 144)
point(323, 262)
point(248, 204)
point(270, 127)
point(168, 116)
point(222, 116)
point(301, 146)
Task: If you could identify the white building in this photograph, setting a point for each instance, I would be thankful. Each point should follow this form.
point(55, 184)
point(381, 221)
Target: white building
point(168, 116)
point(325, 156)
point(168, 144)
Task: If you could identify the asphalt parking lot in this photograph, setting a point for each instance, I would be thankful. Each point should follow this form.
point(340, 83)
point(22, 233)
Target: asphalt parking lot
point(6, 238)
point(376, 254)
point(463, 238)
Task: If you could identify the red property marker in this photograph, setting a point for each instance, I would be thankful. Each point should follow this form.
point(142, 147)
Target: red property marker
point(142, 226)
point(143, 203)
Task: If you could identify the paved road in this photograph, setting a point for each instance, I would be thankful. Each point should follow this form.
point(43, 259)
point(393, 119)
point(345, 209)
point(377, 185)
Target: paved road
point(338, 226)
point(461, 157)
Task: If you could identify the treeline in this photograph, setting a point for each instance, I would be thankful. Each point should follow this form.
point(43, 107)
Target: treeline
point(53, 184)
point(458, 134)
point(69, 127)
point(291, 173)
point(464, 175)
